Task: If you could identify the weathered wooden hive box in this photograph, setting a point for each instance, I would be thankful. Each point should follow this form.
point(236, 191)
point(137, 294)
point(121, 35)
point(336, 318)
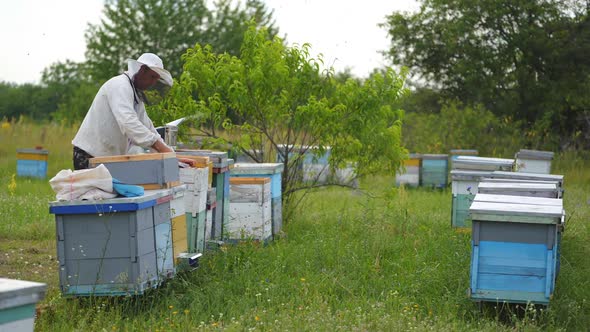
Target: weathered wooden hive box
point(483, 163)
point(220, 181)
point(434, 170)
point(195, 199)
point(316, 167)
point(149, 170)
point(250, 210)
point(455, 153)
point(464, 187)
point(515, 249)
point(549, 190)
point(31, 163)
point(18, 299)
point(411, 175)
point(534, 161)
point(531, 177)
point(273, 171)
point(119, 246)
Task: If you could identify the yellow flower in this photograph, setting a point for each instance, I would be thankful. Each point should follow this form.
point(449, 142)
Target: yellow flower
point(12, 184)
point(214, 324)
point(174, 312)
point(170, 306)
point(186, 311)
point(257, 318)
point(303, 279)
point(5, 125)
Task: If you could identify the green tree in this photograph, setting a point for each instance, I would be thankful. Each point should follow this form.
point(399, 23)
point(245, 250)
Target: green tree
point(520, 58)
point(30, 100)
point(167, 28)
point(282, 99)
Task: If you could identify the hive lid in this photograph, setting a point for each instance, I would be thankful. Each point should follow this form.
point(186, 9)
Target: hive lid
point(534, 154)
point(255, 168)
point(14, 293)
point(517, 186)
point(518, 200)
point(528, 176)
point(482, 163)
point(415, 156)
point(34, 151)
point(131, 157)
point(462, 151)
point(468, 174)
point(435, 156)
point(487, 210)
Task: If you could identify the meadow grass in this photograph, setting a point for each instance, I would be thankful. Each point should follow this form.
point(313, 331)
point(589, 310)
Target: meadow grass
point(382, 258)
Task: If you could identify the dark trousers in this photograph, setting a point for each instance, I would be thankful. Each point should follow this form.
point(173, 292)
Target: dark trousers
point(81, 158)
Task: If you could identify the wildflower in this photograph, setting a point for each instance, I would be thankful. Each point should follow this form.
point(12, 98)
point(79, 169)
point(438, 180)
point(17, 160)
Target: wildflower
point(186, 311)
point(214, 324)
point(302, 279)
point(175, 312)
point(170, 307)
point(12, 185)
point(256, 318)
point(5, 125)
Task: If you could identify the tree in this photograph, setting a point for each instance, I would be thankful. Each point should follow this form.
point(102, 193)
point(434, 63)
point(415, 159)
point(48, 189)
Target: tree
point(167, 28)
point(520, 58)
point(285, 106)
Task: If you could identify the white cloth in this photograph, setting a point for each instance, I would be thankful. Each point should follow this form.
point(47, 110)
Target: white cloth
point(93, 183)
point(116, 120)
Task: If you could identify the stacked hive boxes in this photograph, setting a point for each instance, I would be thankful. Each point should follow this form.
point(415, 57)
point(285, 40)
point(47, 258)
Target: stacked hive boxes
point(411, 175)
point(196, 179)
point(119, 246)
point(31, 163)
point(273, 171)
point(533, 161)
point(456, 153)
point(515, 248)
point(220, 181)
point(17, 304)
point(250, 209)
point(467, 172)
point(433, 172)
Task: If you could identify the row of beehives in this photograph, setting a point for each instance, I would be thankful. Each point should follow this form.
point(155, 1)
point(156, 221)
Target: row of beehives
point(516, 221)
point(124, 246)
point(431, 170)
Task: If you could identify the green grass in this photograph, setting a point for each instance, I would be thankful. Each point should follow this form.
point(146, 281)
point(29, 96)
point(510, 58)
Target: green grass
point(386, 260)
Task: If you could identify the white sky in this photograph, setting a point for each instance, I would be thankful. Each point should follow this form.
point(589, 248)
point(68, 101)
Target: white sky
point(36, 33)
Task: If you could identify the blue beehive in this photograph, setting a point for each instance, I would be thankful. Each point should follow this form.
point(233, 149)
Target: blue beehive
point(119, 246)
point(433, 172)
point(31, 163)
point(274, 172)
point(515, 248)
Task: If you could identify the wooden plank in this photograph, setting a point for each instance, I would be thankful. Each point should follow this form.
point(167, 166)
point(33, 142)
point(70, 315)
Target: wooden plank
point(518, 200)
point(155, 186)
point(131, 157)
point(32, 156)
point(200, 161)
point(238, 181)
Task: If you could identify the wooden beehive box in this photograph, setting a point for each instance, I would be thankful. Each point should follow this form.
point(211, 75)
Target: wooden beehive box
point(273, 171)
point(526, 177)
point(464, 187)
point(18, 299)
point(411, 175)
point(549, 190)
point(534, 161)
point(434, 170)
point(31, 163)
point(149, 170)
point(119, 246)
point(515, 249)
point(250, 210)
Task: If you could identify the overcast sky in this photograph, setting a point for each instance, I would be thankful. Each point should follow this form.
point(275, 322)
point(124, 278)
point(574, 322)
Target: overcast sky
point(37, 33)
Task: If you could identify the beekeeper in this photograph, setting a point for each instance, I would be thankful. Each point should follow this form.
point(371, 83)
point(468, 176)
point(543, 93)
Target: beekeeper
point(117, 119)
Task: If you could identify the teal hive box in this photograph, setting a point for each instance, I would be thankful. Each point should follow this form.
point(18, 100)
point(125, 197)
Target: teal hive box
point(18, 299)
point(434, 170)
point(273, 171)
point(464, 187)
point(515, 249)
point(31, 163)
point(119, 246)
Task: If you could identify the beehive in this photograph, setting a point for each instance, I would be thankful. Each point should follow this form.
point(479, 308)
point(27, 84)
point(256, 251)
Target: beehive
point(522, 176)
point(464, 187)
point(534, 161)
point(515, 249)
point(483, 163)
point(273, 171)
point(17, 304)
point(149, 170)
point(434, 170)
point(549, 190)
point(119, 246)
point(31, 163)
point(250, 210)
point(196, 180)
point(411, 175)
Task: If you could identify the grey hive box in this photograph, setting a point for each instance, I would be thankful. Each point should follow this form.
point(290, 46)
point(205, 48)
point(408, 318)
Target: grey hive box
point(534, 161)
point(483, 163)
point(250, 210)
point(548, 190)
point(523, 176)
point(149, 170)
point(18, 299)
point(119, 246)
point(515, 249)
